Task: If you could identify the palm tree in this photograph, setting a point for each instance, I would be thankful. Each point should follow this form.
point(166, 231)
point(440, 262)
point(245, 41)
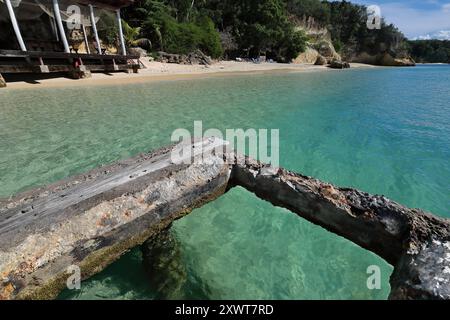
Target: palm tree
point(132, 38)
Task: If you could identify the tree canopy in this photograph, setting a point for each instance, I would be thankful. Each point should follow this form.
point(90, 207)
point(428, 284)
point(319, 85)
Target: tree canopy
point(431, 51)
point(251, 28)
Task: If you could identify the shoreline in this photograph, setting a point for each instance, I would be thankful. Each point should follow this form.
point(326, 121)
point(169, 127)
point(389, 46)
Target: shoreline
point(157, 71)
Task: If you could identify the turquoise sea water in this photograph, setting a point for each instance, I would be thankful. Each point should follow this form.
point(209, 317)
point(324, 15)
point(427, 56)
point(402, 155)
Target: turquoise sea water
point(386, 131)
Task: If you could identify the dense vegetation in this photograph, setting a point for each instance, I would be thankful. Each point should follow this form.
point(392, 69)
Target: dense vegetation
point(431, 51)
point(250, 28)
point(246, 27)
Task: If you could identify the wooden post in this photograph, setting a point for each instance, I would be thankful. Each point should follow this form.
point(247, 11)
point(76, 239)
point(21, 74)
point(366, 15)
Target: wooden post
point(15, 25)
point(86, 42)
point(94, 28)
point(122, 40)
point(2, 81)
point(60, 26)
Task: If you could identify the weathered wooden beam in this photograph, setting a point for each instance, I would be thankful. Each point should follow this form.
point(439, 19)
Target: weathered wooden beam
point(416, 243)
point(64, 55)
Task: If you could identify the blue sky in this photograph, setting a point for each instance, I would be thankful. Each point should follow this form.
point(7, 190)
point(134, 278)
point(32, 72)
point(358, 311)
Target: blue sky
point(422, 19)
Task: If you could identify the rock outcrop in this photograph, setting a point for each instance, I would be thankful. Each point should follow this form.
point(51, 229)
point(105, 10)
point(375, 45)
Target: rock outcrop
point(317, 52)
point(320, 61)
point(388, 60)
point(383, 59)
point(196, 57)
point(326, 49)
point(309, 56)
point(138, 51)
point(319, 43)
point(337, 64)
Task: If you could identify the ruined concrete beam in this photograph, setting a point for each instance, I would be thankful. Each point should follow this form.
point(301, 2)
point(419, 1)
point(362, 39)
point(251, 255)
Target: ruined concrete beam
point(416, 243)
point(91, 220)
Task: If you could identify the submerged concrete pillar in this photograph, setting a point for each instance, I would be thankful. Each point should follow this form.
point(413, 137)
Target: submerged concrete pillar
point(15, 25)
point(60, 25)
point(94, 29)
point(121, 37)
point(2, 81)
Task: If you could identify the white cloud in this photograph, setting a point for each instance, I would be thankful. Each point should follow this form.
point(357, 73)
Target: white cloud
point(415, 22)
point(440, 35)
point(446, 7)
point(443, 35)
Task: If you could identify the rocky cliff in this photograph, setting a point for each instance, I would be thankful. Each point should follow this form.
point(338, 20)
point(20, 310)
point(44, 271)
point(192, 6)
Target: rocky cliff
point(383, 59)
point(320, 49)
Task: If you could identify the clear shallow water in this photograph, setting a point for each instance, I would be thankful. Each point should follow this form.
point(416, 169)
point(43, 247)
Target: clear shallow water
point(385, 131)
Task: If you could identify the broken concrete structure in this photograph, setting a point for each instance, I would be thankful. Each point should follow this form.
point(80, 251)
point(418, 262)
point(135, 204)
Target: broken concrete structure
point(416, 243)
point(92, 219)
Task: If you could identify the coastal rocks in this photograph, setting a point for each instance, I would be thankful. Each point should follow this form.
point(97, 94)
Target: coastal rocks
point(319, 53)
point(326, 49)
point(80, 73)
point(388, 60)
point(384, 59)
point(168, 57)
point(337, 64)
point(365, 58)
point(196, 57)
point(2, 81)
point(138, 51)
point(320, 61)
point(310, 55)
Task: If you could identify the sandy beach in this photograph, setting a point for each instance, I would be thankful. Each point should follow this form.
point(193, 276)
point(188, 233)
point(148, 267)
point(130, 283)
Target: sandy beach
point(157, 71)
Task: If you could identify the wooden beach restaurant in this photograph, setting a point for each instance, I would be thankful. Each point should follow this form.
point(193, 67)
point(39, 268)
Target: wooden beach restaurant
point(75, 37)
